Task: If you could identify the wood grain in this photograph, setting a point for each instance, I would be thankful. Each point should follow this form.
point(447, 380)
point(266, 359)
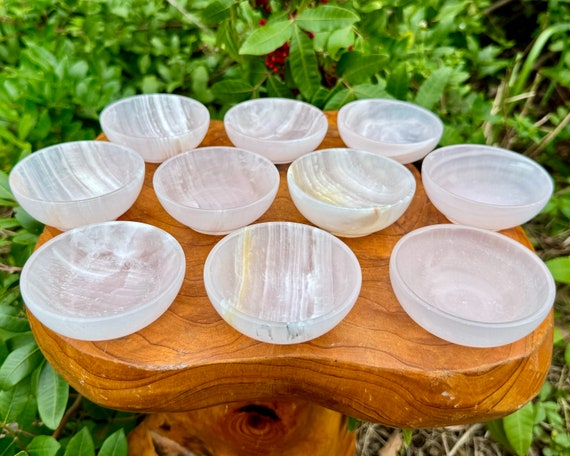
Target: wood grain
point(377, 364)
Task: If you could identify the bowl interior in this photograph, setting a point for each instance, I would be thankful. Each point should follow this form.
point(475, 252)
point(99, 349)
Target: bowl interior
point(216, 178)
point(307, 274)
point(391, 121)
point(102, 271)
point(155, 116)
point(352, 179)
point(488, 175)
point(276, 119)
point(468, 274)
point(76, 171)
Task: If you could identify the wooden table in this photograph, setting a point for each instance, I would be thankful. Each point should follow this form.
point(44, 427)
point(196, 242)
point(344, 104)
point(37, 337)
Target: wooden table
point(211, 390)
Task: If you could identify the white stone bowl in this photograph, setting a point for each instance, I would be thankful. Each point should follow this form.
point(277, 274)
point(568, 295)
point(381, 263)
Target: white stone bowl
point(471, 286)
point(216, 190)
point(158, 126)
point(486, 187)
point(77, 183)
point(280, 129)
point(400, 130)
point(282, 282)
point(349, 192)
point(103, 281)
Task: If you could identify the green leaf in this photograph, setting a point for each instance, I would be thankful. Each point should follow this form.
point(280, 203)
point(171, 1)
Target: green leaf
point(340, 39)
point(326, 17)
point(27, 122)
point(5, 191)
point(303, 64)
point(29, 223)
point(370, 91)
point(277, 88)
point(398, 83)
point(339, 99)
point(232, 90)
point(353, 424)
point(14, 323)
point(217, 11)
point(560, 269)
point(432, 88)
point(407, 434)
point(519, 428)
point(114, 445)
point(266, 39)
point(567, 355)
point(81, 444)
point(14, 401)
point(43, 445)
point(19, 364)
point(52, 394)
point(497, 432)
point(228, 40)
point(356, 68)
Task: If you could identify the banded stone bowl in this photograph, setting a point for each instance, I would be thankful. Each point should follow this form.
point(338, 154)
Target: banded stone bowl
point(77, 183)
point(282, 282)
point(280, 129)
point(158, 126)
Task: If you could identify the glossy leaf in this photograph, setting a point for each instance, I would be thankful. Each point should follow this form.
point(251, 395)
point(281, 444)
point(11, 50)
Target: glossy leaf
point(304, 67)
point(19, 363)
point(228, 39)
point(114, 445)
point(81, 444)
point(560, 269)
point(326, 17)
point(267, 38)
point(52, 394)
point(519, 427)
point(43, 445)
point(398, 83)
point(356, 68)
point(431, 90)
point(232, 90)
point(14, 401)
point(217, 11)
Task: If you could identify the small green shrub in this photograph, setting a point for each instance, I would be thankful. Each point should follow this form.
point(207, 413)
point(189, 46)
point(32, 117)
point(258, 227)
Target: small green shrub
point(62, 61)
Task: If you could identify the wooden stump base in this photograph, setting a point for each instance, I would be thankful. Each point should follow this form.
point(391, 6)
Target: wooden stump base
point(254, 428)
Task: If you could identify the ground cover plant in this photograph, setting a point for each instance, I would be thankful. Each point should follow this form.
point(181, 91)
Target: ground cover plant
point(495, 72)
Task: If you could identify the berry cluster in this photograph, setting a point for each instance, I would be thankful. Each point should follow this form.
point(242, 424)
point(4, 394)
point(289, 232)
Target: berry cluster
point(275, 61)
point(263, 5)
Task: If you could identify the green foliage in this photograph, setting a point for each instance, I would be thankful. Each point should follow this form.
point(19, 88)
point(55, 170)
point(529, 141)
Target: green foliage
point(63, 61)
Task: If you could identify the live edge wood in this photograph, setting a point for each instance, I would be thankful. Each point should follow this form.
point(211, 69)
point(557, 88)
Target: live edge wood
point(376, 365)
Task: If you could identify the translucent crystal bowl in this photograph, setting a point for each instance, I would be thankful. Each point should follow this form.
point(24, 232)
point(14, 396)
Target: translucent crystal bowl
point(158, 126)
point(282, 282)
point(280, 129)
point(350, 192)
point(103, 281)
point(216, 190)
point(397, 129)
point(77, 183)
point(486, 187)
point(470, 286)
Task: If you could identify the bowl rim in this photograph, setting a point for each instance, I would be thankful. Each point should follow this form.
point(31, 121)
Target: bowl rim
point(542, 310)
point(355, 104)
point(176, 281)
point(477, 150)
point(267, 195)
point(382, 158)
point(108, 127)
point(106, 146)
point(350, 255)
point(321, 118)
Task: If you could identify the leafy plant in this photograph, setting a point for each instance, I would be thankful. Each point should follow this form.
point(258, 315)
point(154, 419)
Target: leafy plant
point(62, 61)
